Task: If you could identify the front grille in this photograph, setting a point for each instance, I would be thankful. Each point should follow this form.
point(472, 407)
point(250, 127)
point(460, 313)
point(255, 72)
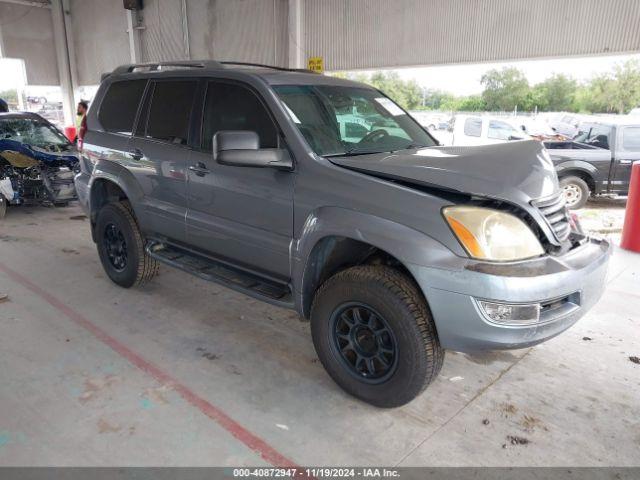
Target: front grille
point(556, 214)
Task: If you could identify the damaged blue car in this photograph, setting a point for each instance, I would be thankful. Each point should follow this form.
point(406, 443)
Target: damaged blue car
point(37, 162)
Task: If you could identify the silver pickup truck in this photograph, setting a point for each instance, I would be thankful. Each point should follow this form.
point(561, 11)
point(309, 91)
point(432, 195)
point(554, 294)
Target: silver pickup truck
point(322, 195)
point(598, 160)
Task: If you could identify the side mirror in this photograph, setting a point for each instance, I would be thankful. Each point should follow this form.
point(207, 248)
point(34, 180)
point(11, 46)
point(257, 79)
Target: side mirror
point(241, 148)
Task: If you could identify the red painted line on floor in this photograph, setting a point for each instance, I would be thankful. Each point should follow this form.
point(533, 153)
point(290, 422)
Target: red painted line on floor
point(255, 443)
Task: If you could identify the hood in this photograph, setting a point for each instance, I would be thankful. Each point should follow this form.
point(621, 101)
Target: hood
point(517, 172)
point(23, 155)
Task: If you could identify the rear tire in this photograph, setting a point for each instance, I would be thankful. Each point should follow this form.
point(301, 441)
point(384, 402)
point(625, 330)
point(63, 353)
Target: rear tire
point(121, 246)
point(374, 335)
point(575, 190)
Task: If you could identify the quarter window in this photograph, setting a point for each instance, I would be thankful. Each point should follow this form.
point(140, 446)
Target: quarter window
point(120, 105)
point(473, 127)
point(170, 111)
point(233, 107)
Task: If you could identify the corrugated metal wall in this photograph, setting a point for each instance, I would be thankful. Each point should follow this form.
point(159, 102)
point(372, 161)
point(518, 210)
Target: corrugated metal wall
point(163, 36)
point(349, 34)
point(381, 33)
point(242, 30)
point(27, 32)
point(99, 32)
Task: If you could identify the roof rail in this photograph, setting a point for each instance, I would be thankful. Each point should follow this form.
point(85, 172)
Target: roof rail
point(157, 66)
point(213, 64)
point(272, 67)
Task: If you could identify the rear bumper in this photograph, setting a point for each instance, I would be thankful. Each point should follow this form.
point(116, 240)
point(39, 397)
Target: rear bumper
point(81, 181)
point(577, 277)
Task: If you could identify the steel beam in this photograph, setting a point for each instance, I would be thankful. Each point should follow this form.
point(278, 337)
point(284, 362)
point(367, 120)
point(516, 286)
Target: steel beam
point(296, 35)
point(61, 40)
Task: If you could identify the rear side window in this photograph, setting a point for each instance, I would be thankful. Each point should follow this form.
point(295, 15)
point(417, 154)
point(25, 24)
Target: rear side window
point(473, 127)
point(233, 107)
point(501, 130)
point(170, 111)
point(120, 105)
point(631, 139)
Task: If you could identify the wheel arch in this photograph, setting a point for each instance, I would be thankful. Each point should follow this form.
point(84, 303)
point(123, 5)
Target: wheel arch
point(580, 169)
point(111, 183)
point(335, 239)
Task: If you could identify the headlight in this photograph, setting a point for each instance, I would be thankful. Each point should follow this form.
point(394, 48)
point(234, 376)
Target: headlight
point(489, 234)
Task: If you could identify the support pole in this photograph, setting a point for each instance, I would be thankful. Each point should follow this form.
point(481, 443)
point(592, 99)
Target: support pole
point(296, 36)
point(185, 31)
point(64, 63)
point(133, 29)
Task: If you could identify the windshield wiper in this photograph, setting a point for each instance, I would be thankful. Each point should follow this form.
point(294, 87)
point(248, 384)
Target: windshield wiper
point(353, 153)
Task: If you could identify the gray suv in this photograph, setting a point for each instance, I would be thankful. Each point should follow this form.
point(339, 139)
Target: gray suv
point(322, 195)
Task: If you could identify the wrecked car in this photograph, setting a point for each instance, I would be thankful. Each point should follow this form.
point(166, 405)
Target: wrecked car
point(37, 162)
point(324, 196)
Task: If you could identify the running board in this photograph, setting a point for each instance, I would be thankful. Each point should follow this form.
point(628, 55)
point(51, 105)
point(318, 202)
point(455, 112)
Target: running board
point(213, 271)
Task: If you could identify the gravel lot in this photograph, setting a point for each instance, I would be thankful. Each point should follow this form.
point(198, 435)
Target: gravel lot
point(604, 217)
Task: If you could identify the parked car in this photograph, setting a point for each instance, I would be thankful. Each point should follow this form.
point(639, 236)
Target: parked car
point(565, 124)
point(598, 161)
point(37, 162)
point(536, 129)
point(483, 130)
point(394, 247)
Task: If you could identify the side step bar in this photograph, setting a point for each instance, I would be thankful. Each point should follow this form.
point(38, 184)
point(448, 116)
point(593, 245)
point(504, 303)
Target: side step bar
point(208, 269)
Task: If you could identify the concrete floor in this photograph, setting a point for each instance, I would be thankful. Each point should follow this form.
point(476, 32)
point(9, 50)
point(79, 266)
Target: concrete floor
point(183, 372)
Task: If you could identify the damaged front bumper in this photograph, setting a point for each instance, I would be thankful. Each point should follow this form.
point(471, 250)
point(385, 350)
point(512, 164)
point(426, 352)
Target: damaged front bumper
point(463, 299)
point(32, 175)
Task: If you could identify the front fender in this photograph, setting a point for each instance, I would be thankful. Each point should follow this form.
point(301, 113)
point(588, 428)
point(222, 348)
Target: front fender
point(407, 245)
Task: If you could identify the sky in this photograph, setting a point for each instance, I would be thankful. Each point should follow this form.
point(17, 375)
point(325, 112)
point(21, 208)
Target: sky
point(456, 79)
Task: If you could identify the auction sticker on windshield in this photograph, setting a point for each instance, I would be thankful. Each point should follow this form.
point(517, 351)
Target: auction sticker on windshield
point(389, 106)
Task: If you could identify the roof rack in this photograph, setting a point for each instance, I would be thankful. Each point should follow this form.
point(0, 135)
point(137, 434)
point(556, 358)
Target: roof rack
point(272, 67)
point(158, 66)
point(213, 64)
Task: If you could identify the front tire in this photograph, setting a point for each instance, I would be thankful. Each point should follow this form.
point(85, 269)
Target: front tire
point(575, 190)
point(121, 247)
point(374, 335)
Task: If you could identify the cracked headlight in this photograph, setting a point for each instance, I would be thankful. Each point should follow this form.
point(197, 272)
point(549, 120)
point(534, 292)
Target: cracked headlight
point(489, 234)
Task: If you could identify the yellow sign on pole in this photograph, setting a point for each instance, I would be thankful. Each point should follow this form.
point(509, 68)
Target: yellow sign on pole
point(316, 64)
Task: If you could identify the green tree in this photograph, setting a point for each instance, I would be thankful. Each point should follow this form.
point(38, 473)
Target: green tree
point(504, 89)
point(597, 95)
point(10, 96)
point(406, 93)
point(626, 90)
point(434, 99)
point(471, 103)
point(556, 93)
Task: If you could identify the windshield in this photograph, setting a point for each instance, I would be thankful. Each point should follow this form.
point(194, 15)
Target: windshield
point(338, 120)
point(32, 132)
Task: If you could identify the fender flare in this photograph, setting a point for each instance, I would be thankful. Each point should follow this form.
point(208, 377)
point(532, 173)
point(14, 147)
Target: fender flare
point(579, 165)
point(407, 245)
point(115, 173)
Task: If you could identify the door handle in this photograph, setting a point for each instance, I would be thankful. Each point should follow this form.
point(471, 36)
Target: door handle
point(199, 169)
point(136, 154)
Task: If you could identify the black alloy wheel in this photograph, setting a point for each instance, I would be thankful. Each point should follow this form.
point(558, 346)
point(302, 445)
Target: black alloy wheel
point(364, 342)
point(116, 247)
